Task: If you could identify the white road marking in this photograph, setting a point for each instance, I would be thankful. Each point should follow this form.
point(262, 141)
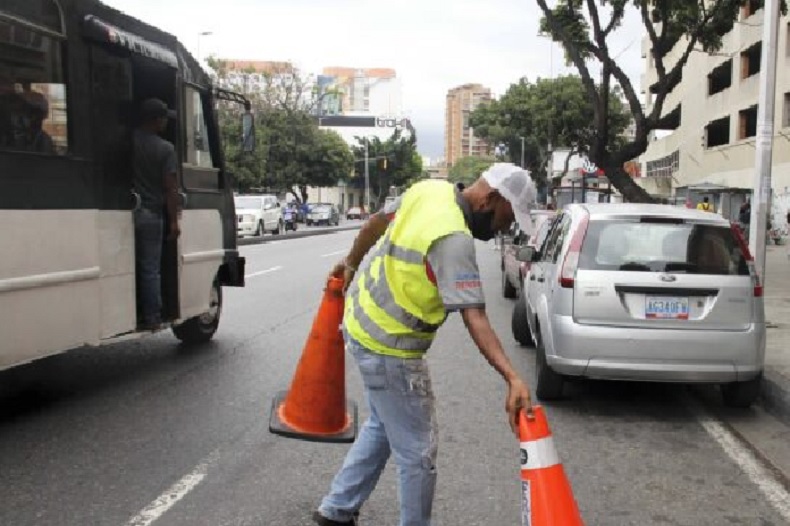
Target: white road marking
point(262, 272)
point(773, 490)
point(174, 493)
point(336, 253)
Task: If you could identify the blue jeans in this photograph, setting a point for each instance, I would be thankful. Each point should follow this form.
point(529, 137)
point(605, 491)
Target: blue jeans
point(148, 237)
point(402, 421)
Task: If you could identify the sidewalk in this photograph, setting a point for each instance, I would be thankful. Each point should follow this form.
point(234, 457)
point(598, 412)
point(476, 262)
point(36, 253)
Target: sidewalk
point(776, 386)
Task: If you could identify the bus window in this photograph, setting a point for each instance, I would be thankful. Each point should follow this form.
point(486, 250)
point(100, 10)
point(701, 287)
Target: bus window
point(32, 92)
point(198, 151)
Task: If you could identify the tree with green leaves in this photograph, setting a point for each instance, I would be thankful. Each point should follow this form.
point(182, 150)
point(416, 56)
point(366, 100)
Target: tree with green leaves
point(291, 152)
point(584, 28)
point(394, 162)
point(547, 113)
point(467, 170)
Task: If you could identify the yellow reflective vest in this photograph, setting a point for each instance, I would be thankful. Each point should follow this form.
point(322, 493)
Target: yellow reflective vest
point(392, 307)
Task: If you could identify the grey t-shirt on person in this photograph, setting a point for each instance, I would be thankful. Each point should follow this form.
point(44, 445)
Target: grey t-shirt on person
point(154, 157)
point(453, 262)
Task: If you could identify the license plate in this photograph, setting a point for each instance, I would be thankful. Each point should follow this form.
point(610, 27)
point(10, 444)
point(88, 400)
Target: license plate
point(666, 308)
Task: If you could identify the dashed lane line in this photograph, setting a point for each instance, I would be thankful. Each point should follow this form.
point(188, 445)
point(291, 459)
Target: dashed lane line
point(174, 493)
point(262, 272)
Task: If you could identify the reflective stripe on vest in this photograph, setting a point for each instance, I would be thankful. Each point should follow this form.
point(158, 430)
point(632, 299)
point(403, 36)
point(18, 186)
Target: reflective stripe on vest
point(392, 307)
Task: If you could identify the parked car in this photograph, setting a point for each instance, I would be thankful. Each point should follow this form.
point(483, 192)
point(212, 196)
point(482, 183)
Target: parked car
point(355, 212)
point(518, 321)
point(256, 214)
point(513, 271)
point(646, 293)
point(323, 214)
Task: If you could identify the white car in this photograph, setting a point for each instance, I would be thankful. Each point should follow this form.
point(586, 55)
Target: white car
point(256, 214)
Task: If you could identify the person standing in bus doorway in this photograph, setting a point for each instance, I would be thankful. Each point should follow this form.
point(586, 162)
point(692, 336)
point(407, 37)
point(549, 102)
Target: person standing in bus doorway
point(156, 182)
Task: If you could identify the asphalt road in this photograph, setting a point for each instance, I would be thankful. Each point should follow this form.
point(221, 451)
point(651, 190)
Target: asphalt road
point(148, 432)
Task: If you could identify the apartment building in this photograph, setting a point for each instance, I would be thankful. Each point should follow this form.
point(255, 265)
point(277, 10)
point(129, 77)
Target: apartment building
point(713, 113)
point(360, 91)
point(459, 137)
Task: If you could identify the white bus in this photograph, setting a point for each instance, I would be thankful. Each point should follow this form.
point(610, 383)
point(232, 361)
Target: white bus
point(72, 73)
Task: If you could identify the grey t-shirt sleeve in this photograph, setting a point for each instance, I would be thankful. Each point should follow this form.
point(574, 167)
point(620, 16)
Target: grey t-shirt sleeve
point(453, 262)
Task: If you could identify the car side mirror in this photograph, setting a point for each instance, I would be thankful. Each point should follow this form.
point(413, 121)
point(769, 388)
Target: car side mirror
point(527, 254)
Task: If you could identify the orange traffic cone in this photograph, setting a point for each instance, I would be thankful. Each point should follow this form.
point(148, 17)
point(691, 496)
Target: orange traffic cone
point(315, 408)
point(547, 497)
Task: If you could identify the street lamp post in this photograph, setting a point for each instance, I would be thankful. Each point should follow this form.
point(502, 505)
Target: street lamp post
point(522, 152)
point(201, 34)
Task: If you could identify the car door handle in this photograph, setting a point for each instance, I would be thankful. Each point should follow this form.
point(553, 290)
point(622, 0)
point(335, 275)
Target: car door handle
point(532, 278)
point(541, 279)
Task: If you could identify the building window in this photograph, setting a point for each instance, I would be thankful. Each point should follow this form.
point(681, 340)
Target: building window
point(33, 115)
point(720, 78)
point(750, 7)
point(786, 112)
point(747, 123)
point(665, 166)
point(750, 61)
point(717, 133)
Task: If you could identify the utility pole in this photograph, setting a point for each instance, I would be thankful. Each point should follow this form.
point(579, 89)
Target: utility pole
point(764, 138)
point(367, 179)
point(522, 152)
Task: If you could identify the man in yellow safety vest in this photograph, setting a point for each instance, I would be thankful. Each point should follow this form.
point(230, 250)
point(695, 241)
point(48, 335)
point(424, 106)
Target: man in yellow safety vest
point(411, 265)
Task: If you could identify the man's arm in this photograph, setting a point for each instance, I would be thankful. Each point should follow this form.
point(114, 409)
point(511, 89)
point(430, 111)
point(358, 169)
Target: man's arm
point(485, 338)
point(368, 236)
point(170, 183)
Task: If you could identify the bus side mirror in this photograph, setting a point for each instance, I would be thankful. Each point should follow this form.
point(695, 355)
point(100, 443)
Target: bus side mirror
point(247, 132)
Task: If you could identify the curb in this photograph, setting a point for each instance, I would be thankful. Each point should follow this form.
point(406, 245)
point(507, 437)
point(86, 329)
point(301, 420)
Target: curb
point(776, 394)
point(294, 235)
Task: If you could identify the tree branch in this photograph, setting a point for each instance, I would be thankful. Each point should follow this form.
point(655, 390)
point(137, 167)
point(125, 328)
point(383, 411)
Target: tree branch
point(654, 40)
point(578, 60)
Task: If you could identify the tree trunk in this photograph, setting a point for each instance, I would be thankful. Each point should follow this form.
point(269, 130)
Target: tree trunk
point(632, 192)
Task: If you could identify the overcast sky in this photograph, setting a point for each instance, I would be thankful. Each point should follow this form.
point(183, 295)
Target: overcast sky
point(433, 45)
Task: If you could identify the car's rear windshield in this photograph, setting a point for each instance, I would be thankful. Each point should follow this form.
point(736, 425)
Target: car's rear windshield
point(648, 245)
point(248, 202)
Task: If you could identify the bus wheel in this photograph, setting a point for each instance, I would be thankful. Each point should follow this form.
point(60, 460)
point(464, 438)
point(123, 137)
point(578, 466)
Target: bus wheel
point(200, 329)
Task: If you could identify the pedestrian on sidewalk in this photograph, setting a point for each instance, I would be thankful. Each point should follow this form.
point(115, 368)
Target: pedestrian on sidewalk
point(422, 267)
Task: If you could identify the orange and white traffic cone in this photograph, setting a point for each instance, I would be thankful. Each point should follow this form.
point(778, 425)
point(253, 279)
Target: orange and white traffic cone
point(315, 408)
point(547, 497)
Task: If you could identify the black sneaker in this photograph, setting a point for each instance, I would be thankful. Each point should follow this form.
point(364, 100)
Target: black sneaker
point(323, 521)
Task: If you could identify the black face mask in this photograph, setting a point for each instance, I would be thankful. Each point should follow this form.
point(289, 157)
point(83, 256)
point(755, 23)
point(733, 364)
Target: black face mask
point(482, 225)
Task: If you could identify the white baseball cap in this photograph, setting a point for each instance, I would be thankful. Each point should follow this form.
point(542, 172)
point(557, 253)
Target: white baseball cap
point(515, 185)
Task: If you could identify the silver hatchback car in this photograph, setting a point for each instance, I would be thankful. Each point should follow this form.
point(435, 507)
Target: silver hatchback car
point(647, 293)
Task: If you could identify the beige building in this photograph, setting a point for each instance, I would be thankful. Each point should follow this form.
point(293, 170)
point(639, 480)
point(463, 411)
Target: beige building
point(459, 139)
point(714, 113)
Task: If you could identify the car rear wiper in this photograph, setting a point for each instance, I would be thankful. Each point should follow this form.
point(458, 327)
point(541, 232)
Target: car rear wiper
point(680, 266)
point(634, 266)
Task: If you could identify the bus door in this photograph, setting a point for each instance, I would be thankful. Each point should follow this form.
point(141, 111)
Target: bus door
point(202, 238)
point(154, 79)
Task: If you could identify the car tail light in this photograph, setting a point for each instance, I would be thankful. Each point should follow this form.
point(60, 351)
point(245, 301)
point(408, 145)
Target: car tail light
point(758, 286)
point(571, 262)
